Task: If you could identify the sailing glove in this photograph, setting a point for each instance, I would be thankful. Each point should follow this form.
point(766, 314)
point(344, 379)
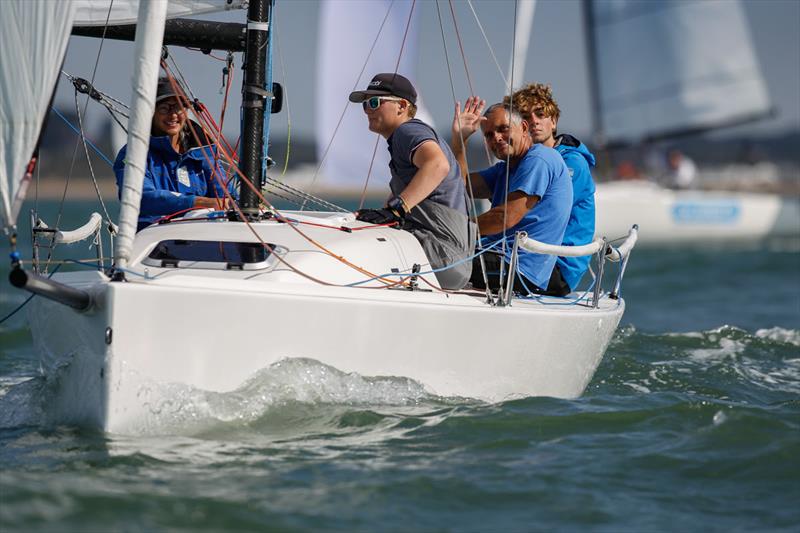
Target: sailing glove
point(395, 211)
point(379, 216)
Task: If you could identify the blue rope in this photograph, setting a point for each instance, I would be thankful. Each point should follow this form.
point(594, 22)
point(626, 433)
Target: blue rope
point(76, 130)
point(433, 271)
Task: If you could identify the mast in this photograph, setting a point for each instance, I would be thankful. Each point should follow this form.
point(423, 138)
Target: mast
point(256, 101)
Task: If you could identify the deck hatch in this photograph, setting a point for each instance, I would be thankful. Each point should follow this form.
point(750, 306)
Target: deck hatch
point(214, 255)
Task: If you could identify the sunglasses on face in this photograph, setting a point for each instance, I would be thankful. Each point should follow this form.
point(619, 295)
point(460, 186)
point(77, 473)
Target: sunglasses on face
point(376, 101)
point(168, 109)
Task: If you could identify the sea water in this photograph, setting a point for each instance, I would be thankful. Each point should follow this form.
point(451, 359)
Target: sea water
point(692, 422)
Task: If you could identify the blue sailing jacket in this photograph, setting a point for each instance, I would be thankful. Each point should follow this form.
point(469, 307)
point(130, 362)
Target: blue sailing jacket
point(172, 180)
point(580, 228)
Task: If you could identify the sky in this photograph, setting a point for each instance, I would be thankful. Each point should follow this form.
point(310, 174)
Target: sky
point(556, 56)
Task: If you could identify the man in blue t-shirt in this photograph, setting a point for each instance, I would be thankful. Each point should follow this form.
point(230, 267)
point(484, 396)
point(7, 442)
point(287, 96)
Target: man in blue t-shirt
point(530, 190)
point(428, 196)
point(540, 110)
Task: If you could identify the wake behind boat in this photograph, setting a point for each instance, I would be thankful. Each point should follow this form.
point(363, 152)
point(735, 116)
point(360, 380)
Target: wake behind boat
point(210, 298)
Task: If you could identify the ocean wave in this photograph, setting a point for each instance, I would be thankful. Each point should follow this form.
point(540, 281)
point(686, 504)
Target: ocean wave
point(789, 336)
point(295, 392)
point(715, 362)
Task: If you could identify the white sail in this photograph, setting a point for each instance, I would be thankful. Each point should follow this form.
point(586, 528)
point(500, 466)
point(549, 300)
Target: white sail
point(96, 12)
point(522, 41)
point(147, 51)
point(672, 66)
point(33, 40)
point(347, 31)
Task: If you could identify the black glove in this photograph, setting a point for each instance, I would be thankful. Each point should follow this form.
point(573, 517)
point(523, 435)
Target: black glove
point(379, 216)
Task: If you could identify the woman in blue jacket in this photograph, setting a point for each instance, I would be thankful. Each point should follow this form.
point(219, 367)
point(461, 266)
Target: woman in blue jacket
point(178, 175)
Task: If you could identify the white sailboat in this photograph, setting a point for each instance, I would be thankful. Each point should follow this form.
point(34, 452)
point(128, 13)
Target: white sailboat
point(695, 69)
point(205, 302)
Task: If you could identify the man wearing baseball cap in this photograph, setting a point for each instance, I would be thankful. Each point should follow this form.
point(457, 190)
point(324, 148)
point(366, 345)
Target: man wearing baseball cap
point(428, 195)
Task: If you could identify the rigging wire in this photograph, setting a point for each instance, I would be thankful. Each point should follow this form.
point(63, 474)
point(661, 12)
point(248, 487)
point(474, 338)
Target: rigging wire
point(285, 102)
point(77, 143)
point(466, 70)
point(378, 137)
point(89, 163)
point(508, 155)
point(464, 148)
point(488, 44)
point(92, 145)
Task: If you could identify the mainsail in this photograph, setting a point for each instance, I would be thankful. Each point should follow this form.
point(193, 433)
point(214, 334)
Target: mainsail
point(102, 12)
point(672, 67)
point(33, 40)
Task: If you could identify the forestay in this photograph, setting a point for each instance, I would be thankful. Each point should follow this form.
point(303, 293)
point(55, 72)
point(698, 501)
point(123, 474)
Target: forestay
point(33, 40)
point(668, 67)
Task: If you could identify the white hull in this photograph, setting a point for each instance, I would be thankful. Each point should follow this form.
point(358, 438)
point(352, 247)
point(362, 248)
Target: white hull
point(684, 216)
point(212, 330)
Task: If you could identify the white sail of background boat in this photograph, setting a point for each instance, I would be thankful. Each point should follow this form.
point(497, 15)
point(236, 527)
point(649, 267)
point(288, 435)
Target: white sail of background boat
point(360, 52)
point(207, 301)
point(668, 68)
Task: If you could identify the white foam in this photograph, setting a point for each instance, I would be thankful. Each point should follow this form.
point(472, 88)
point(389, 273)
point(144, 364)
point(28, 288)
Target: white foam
point(728, 348)
point(789, 336)
point(181, 408)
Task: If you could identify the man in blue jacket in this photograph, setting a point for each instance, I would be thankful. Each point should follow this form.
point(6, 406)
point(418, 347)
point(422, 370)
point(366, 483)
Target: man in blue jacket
point(178, 174)
point(537, 106)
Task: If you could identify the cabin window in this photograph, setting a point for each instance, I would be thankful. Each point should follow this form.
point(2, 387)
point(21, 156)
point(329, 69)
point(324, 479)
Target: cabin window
point(215, 255)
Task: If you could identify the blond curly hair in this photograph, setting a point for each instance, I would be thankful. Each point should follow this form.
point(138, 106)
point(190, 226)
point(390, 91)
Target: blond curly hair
point(534, 97)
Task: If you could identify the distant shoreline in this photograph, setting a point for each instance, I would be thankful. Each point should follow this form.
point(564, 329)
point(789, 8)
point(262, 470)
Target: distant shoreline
point(78, 189)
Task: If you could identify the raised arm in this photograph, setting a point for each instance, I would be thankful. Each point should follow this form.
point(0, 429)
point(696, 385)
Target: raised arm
point(465, 123)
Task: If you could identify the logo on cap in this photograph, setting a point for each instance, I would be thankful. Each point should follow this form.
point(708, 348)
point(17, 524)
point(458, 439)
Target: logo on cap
point(375, 83)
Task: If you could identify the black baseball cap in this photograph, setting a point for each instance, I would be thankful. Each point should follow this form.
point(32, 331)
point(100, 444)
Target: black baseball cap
point(387, 84)
point(165, 90)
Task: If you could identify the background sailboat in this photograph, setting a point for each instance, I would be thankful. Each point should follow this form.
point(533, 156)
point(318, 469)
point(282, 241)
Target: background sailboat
point(694, 70)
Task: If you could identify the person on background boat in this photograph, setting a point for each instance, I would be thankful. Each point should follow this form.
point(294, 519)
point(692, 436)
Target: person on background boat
point(428, 196)
point(529, 188)
point(178, 174)
point(537, 106)
point(681, 171)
